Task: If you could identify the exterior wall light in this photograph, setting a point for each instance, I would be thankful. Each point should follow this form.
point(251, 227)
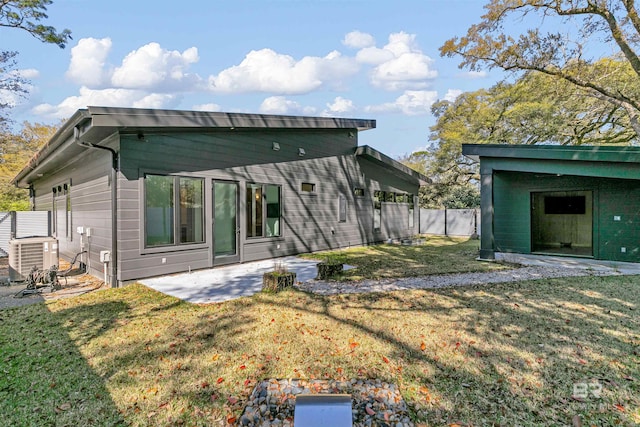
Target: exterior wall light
point(275, 146)
point(301, 152)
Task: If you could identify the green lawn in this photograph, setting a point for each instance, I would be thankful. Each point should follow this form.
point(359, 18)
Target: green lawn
point(505, 354)
point(439, 255)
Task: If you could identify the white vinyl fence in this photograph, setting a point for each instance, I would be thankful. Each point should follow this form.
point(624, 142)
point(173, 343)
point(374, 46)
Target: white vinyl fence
point(22, 224)
point(450, 222)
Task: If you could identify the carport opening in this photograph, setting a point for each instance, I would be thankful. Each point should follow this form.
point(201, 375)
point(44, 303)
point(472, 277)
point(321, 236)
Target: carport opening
point(562, 223)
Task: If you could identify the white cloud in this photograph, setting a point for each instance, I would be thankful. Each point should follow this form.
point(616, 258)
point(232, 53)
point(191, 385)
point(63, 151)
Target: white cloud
point(105, 97)
point(358, 40)
point(153, 67)
point(452, 94)
point(11, 98)
point(207, 107)
point(282, 105)
point(340, 105)
point(87, 66)
point(268, 71)
point(374, 56)
point(408, 71)
point(28, 73)
point(474, 74)
point(399, 65)
point(411, 103)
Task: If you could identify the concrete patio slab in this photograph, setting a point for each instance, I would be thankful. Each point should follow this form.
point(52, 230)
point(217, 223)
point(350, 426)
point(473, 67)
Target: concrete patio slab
point(569, 262)
point(229, 282)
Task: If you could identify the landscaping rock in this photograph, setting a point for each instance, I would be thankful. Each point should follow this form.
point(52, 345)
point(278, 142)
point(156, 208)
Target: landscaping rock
point(374, 402)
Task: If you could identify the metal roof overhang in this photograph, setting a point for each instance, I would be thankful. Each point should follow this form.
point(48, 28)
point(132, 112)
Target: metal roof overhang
point(395, 166)
point(595, 161)
point(97, 123)
point(596, 153)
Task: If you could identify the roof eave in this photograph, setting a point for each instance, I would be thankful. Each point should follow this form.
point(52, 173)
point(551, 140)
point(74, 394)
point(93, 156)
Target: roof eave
point(596, 153)
point(124, 118)
point(380, 158)
point(41, 157)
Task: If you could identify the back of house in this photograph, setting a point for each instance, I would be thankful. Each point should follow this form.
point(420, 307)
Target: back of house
point(151, 192)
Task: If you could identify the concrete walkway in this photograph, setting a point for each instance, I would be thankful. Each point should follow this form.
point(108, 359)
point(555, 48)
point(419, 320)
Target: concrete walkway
point(611, 267)
point(240, 280)
point(225, 283)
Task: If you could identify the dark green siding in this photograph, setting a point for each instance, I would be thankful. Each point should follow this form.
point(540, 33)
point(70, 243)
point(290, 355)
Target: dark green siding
point(611, 198)
point(512, 221)
point(620, 198)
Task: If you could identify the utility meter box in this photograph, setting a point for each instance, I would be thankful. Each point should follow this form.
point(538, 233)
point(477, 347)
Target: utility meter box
point(105, 256)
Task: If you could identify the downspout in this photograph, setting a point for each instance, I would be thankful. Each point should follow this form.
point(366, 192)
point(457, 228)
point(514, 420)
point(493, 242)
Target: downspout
point(114, 201)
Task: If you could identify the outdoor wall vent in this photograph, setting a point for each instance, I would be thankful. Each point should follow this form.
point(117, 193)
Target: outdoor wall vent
point(301, 152)
point(275, 146)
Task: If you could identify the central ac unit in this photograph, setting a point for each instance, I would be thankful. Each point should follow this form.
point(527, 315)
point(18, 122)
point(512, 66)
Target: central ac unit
point(25, 253)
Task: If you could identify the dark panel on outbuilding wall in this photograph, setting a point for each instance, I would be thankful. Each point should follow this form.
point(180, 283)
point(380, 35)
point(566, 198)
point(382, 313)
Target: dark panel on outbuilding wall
point(620, 220)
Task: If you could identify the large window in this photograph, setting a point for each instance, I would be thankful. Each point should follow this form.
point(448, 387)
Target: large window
point(170, 213)
point(263, 210)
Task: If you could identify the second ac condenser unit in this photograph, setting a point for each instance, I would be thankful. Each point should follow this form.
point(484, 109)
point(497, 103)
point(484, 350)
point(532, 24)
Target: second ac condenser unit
point(25, 253)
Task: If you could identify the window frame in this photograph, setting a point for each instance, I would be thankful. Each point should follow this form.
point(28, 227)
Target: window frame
point(342, 208)
point(265, 212)
point(378, 199)
point(61, 194)
point(176, 207)
point(313, 190)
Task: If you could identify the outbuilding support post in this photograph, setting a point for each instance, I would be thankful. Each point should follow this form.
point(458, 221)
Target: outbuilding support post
point(487, 250)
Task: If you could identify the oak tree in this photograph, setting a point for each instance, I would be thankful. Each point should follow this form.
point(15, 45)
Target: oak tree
point(524, 35)
point(26, 15)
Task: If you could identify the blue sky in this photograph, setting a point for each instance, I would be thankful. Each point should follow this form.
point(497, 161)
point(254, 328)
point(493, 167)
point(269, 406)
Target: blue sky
point(352, 58)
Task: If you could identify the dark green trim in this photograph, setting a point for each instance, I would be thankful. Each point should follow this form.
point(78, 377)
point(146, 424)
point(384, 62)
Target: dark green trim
point(601, 153)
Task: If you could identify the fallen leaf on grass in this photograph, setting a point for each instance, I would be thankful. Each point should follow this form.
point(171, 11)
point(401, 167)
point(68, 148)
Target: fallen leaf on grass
point(384, 359)
point(577, 422)
point(215, 357)
point(63, 407)
point(232, 400)
point(369, 410)
point(619, 407)
point(219, 380)
point(423, 346)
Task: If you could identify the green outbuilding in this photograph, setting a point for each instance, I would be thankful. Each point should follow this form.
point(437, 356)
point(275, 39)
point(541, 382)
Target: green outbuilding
point(581, 201)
